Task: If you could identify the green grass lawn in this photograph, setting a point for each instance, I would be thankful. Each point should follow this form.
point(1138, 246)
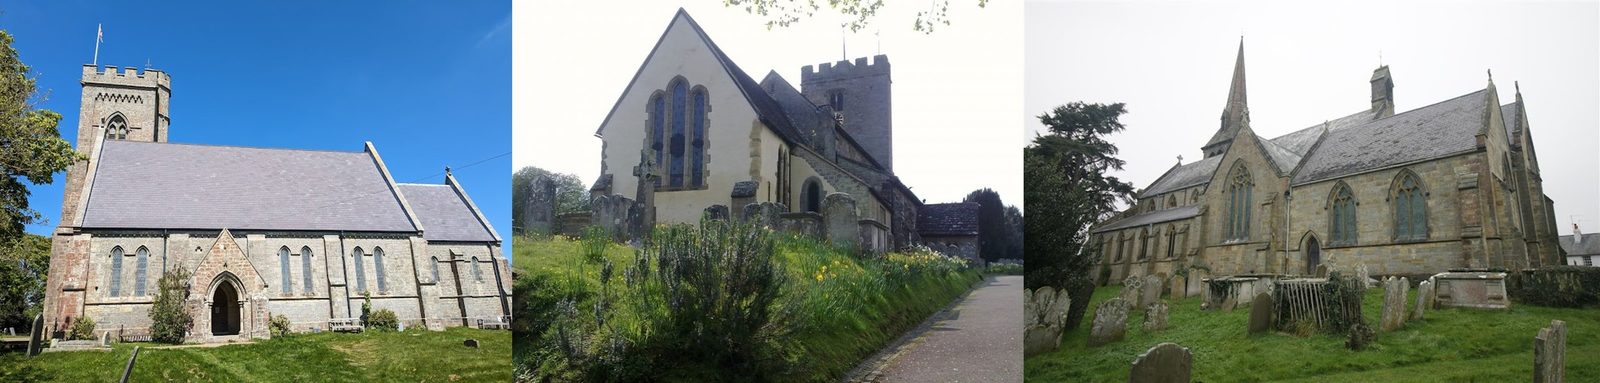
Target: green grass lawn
point(411, 356)
point(1449, 345)
point(850, 308)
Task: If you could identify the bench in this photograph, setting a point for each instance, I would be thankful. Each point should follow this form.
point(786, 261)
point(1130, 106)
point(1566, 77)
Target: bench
point(502, 322)
point(345, 325)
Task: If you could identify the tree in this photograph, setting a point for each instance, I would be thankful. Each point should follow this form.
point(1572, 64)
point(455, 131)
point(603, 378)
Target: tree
point(169, 319)
point(571, 194)
point(859, 13)
point(1066, 192)
point(24, 264)
point(992, 233)
point(31, 147)
point(1013, 229)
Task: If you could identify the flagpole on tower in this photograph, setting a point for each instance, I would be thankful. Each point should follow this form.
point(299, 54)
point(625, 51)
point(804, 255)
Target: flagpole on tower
point(99, 34)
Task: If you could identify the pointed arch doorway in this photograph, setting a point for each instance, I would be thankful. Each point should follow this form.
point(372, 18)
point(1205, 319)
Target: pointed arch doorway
point(1313, 255)
point(225, 308)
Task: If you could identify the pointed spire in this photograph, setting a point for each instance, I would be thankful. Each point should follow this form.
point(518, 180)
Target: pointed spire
point(1236, 95)
point(1236, 114)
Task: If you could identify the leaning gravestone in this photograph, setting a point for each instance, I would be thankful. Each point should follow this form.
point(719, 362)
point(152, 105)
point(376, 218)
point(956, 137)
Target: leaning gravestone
point(1132, 290)
point(1045, 313)
point(1151, 292)
point(36, 335)
point(1550, 353)
point(1110, 322)
point(1424, 300)
point(1363, 276)
point(1394, 304)
point(1261, 309)
point(471, 343)
point(1164, 363)
point(1155, 316)
point(1228, 304)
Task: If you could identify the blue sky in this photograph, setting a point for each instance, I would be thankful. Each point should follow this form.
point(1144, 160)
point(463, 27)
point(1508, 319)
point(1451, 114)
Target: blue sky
point(429, 83)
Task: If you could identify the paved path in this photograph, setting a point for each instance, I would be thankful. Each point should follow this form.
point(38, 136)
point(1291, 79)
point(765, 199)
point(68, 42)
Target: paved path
point(977, 340)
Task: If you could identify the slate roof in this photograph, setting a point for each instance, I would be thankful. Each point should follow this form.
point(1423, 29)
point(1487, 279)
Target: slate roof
point(1589, 246)
point(1147, 218)
point(802, 114)
point(948, 219)
point(1183, 176)
point(1432, 131)
point(1508, 114)
point(445, 214)
point(1283, 158)
point(148, 185)
point(1302, 140)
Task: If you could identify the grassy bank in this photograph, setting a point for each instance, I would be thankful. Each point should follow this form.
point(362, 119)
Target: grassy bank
point(1449, 345)
point(413, 356)
point(833, 308)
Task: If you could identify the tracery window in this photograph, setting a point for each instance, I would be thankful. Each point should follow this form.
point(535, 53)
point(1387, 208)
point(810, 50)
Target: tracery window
point(1144, 244)
point(678, 125)
point(1240, 188)
point(1410, 209)
point(117, 127)
point(1342, 223)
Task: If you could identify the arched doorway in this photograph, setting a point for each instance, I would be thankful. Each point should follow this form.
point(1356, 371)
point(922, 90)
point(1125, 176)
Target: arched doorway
point(1313, 255)
point(225, 309)
point(813, 195)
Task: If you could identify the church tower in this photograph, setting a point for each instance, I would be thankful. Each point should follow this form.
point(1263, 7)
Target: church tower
point(1234, 116)
point(860, 92)
point(125, 104)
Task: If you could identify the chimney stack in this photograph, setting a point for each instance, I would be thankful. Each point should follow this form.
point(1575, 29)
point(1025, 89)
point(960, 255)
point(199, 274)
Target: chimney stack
point(1382, 92)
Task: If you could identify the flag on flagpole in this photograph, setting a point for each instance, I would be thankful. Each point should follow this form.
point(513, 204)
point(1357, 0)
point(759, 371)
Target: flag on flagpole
point(99, 33)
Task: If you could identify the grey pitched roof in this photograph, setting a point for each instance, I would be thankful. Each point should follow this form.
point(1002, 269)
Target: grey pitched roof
point(149, 185)
point(1301, 141)
point(1432, 131)
point(1283, 158)
point(948, 219)
point(1183, 176)
point(1508, 114)
point(445, 214)
point(1589, 246)
point(802, 114)
point(1147, 218)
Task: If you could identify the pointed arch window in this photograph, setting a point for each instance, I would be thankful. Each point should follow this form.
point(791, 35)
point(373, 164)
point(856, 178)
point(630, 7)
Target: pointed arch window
point(676, 144)
point(283, 268)
point(1172, 236)
point(1240, 190)
point(142, 259)
point(658, 117)
point(117, 127)
point(305, 268)
point(361, 275)
point(116, 271)
point(1342, 224)
point(435, 265)
point(477, 274)
point(1410, 209)
point(697, 145)
point(678, 125)
point(1144, 244)
point(377, 262)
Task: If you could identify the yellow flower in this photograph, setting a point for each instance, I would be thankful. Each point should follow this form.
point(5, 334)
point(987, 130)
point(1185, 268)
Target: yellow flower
point(819, 277)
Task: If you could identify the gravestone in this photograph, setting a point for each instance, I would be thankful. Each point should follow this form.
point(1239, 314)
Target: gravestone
point(1132, 290)
point(648, 173)
point(105, 339)
point(1151, 290)
point(1261, 309)
point(127, 370)
point(1164, 363)
point(840, 221)
point(1155, 316)
point(1550, 353)
point(1045, 313)
point(1475, 289)
point(36, 335)
point(1110, 322)
point(540, 214)
point(1322, 271)
point(471, 343)
point(1424, 300)
point(1228, 304)
point(1394, 304)
point(1360, 336)
point(1361, 275)
point(716, 213)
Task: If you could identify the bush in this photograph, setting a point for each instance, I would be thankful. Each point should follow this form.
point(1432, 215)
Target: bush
point(279, 326)
point(383, 320)
point(169, 319)
point(1556, 286)
point(82, 329)
point(1004, 268)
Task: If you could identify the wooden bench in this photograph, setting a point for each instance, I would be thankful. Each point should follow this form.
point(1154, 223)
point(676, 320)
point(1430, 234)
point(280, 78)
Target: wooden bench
point(502, 322)
point(345, 325)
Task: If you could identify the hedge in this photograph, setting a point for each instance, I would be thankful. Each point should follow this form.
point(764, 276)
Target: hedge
point(1556, 286)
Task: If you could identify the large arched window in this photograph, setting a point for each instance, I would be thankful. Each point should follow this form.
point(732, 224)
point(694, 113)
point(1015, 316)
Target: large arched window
point(678, 124)
point(305, 267)
point(283, 268)
point(361, 275)
point(1240, 188)
point(1410, 208)
point(116, 271)
point(377, 262)
point(142, 259)
point(117, 127)
point(1342, 222)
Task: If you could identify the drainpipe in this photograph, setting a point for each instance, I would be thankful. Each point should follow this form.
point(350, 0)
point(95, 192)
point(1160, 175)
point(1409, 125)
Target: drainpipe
point(346, 274)
point(1287, 227)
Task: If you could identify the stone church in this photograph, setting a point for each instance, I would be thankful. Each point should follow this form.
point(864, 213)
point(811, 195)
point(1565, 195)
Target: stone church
point(694, 133)
point(302, 233)
point(1454, 184)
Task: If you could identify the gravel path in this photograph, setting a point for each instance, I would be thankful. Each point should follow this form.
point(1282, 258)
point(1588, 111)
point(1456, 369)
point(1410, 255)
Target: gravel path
point(977, 340)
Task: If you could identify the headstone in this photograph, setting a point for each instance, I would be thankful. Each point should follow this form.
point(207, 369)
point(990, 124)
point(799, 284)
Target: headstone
point(1261, 309)
point(1550, 353)
point(1152, 290)
point(1322, 271)
point(1045, 313)
point(472, 343)
point(1155, 316)
point(1361, 275)
point(1164, 363)
point(105, 339)
point(36, 336)
point(1474, 289)
point(1110, 322)
point(1360, 336)
point(1394, 304)
point(841, 222)
point(538, 217)
point(1424, 300)
point(1228, 304)
point(716, 213)
point(1132, 290)
point(648, 172)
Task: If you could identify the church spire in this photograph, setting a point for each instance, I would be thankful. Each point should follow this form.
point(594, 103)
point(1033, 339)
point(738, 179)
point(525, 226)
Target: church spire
point(1237, 112)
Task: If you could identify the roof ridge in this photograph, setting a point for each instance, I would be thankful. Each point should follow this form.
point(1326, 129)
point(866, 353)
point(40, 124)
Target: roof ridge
point(122, 142)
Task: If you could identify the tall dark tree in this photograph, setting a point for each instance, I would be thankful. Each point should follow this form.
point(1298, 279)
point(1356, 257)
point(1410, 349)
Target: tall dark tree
point(24, 264)
point(1013, 233)
point(992, 237)
point(571, 194)
point(31, 148)
point(1067, 190)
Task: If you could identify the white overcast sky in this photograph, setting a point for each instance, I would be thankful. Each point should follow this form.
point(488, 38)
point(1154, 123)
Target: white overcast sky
point(957, 92)
point(1171, 63)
